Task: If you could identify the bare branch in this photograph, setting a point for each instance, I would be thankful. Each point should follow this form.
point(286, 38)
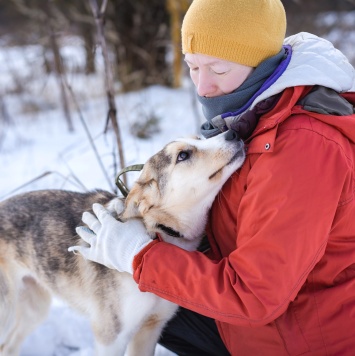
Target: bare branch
point(103, 7)
point(31, 12)
point(41, 176)
point(112, 112)
point(92, 143)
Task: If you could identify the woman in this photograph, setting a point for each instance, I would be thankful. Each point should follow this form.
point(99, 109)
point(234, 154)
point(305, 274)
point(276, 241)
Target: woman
point(280, 276)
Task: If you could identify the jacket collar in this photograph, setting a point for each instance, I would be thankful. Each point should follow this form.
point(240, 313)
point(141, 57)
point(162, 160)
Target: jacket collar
point(263, 138)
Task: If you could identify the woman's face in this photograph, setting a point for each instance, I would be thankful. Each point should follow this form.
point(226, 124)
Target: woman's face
point(214, 77)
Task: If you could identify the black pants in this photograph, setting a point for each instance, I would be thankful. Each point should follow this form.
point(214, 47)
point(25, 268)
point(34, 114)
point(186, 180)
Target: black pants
point(192, 334)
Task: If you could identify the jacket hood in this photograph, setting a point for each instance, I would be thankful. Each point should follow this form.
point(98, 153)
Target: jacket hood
point(314, 61)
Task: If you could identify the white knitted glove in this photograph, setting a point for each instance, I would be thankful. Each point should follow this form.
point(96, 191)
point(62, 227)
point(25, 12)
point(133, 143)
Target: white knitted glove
point(112, 243)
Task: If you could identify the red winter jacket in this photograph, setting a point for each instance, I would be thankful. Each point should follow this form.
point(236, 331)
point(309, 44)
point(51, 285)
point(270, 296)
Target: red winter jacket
point(281, 276)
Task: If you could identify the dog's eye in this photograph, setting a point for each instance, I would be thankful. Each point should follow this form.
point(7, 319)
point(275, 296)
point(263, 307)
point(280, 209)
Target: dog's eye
point(183, 156)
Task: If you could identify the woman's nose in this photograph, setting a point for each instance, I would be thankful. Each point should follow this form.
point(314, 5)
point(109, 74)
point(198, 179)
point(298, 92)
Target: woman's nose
point(204, 85)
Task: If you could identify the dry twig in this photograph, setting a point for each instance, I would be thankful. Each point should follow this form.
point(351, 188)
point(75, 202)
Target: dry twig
point(112, 112)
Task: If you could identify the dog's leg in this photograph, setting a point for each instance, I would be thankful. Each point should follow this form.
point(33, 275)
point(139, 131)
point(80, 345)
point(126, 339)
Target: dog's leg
point(146, 337)
point(145, 340)
point(115, 348)
point(125, 344)
point(110, 338)
point(115, 324)
point(27, 308)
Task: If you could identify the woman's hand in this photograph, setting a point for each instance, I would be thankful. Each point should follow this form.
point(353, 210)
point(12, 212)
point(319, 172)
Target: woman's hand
point(111, 242)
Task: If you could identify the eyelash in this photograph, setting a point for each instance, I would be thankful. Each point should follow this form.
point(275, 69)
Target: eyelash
point(196, 69)
point(219, 73)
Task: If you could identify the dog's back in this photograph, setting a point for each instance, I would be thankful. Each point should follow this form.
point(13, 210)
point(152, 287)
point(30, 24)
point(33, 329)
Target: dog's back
point(38, 227)
point(36, 230)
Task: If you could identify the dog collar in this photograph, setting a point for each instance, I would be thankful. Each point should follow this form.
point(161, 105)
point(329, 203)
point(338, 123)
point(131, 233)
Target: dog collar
point(120, 184)
point(168, 230)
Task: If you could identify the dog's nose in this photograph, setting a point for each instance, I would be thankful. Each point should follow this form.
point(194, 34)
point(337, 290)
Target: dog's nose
point(231, 135)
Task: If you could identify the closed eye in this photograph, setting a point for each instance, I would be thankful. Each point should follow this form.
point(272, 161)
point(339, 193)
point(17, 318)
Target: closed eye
point(183, 156)
point(219, 73)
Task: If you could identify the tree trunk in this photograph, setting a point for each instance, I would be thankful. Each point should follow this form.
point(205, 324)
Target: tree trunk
point(58, 66)
point(143, 41)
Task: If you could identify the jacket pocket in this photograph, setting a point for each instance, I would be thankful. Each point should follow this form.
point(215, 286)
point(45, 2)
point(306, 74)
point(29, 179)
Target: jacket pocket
point(291, 332)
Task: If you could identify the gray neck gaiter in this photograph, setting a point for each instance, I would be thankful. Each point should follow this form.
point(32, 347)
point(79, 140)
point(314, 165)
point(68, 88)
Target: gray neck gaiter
point(212, 107)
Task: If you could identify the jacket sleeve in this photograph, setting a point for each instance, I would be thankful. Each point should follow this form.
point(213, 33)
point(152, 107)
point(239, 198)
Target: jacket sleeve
point(284, 220)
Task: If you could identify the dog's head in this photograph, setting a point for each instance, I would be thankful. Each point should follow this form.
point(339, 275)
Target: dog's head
point(177, 186)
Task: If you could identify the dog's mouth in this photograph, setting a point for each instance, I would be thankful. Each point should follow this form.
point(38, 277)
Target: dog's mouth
point(233, 159)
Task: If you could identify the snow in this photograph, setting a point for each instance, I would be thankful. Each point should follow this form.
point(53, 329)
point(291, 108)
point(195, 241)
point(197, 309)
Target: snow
point(38, 152)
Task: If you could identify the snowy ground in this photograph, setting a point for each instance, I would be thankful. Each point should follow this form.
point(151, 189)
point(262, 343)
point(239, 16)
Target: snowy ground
point(38, 152)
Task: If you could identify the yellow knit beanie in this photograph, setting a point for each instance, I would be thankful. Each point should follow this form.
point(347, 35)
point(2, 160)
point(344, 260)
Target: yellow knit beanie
point(242, 31)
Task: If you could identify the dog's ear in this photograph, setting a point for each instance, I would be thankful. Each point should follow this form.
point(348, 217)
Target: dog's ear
point(140, 199)
point(132, 203)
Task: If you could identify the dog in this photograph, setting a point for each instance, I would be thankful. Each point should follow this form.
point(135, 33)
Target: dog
point(172, 196)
